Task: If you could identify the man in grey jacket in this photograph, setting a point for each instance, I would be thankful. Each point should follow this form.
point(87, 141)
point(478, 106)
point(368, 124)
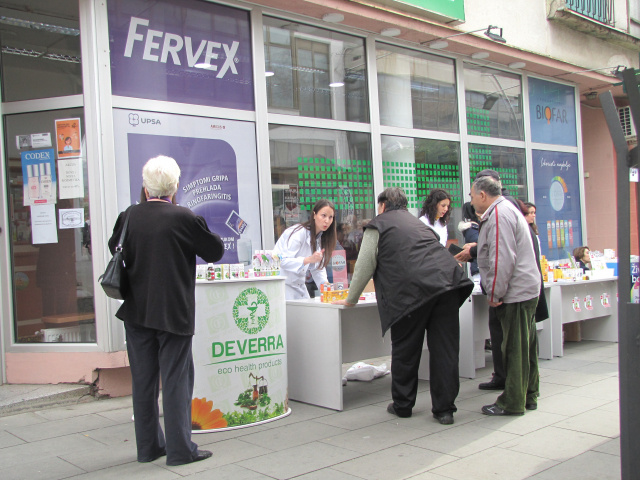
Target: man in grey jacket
point(511, 280)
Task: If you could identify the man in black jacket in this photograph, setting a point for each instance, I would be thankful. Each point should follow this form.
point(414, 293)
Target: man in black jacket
point(419, 287)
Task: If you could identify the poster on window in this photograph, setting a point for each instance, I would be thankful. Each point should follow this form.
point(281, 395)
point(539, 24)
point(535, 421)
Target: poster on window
point(68, 138)
point(38, 177)
point(218, 164)
point(557, 198)
point(552, 108)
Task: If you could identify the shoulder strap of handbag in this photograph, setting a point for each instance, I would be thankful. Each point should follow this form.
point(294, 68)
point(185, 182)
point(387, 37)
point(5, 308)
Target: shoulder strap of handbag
point(124, 229)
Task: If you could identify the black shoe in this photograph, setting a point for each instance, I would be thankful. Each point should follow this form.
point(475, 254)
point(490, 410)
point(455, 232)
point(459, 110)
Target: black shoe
point(201, 455)
point(495, 410)
point(391, 409)
point(444, 418)
point(492, 385)
point(531, 406)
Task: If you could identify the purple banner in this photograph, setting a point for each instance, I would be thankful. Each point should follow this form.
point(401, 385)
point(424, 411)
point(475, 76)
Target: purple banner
point(184, 51)
point(208, 180)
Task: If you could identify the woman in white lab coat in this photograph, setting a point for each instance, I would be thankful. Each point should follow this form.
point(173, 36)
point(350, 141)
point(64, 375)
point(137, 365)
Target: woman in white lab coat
point(436, 211)
point(308, 246)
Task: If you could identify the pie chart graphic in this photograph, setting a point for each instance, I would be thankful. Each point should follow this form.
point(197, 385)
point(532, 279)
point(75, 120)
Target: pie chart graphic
point(557, 192)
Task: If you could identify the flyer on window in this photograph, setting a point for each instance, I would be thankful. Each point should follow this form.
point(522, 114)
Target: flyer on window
point(68, 138)
point(38, 177)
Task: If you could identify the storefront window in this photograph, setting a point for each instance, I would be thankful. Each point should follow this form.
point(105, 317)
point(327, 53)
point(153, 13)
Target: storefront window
point(509, 162)
point(418, 166)
point(50, 227)
point(314, 72)
point(309, 164)
point(416, 90)
point(40, 53)
point(494, 103)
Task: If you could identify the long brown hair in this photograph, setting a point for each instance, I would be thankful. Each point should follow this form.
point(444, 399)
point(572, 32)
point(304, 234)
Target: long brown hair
point(430, 206)
point(329, 236)
point(530, 205)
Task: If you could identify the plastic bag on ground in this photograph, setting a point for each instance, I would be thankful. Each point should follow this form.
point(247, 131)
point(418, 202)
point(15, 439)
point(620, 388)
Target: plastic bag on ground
point(365, 373)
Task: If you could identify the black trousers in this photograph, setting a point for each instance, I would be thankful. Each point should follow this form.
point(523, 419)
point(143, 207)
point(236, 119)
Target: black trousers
point(153, 353)
point(495, 331)
point(440, 319)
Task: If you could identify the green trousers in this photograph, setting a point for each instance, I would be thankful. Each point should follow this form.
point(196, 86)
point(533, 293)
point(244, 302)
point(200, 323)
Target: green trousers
point(519, 354)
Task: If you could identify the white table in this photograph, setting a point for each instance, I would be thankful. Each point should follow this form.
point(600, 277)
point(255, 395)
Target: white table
point(602, 321)
point(321, 337)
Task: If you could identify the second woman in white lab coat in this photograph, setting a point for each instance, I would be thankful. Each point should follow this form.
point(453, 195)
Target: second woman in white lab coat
point(308, 246)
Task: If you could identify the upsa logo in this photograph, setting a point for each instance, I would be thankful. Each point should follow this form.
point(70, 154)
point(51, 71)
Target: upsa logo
point(134, 119)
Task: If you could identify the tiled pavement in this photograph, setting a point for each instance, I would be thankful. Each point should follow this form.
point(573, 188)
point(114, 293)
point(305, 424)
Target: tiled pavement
point(574, 434)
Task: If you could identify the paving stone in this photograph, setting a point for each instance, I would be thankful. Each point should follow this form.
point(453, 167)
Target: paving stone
point(588, 466)
point(357, 418)
point(51, 468)
point(395, 463)
point(130, 471)
point(101, 457)
point(52, 447)
point(554, 443)
point(230, 472)
point(596, 422)
point(424, 421)
point(495, 463)
point(529, 422)
point(569, 404)
point(224, 453)
point(8, 440)
point(69, 411)
point(60, 428)
point(299, 460)
point(607, 389)
point(612, 447)
point(375, 437)
point(599, 368)
point(573, 379)
point(463, 440)
point(353, 398)
point(114, 434)
point(20, 420)
point(326, 474)
point(292, 435)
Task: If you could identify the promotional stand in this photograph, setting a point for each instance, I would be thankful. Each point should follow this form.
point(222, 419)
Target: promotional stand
point(240, 354)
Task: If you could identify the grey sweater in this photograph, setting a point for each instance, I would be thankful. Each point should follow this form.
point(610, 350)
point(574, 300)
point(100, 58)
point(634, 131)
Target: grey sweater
point(506, 258)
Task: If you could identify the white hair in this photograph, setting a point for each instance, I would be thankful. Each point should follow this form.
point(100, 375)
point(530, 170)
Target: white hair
point(160, 176)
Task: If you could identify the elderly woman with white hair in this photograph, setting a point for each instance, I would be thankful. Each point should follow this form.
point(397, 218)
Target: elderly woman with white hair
point(160, 247)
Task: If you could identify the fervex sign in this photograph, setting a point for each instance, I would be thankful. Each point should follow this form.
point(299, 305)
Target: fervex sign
point(158, 46)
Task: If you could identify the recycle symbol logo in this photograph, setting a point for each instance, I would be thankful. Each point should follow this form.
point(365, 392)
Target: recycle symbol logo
point(251, 311)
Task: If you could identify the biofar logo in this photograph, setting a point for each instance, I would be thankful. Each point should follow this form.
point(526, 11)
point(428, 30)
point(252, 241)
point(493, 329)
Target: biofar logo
point(251, 311)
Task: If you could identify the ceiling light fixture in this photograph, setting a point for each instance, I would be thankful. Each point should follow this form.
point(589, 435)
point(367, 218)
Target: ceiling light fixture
point(390, 32)
point(591, 95)
point(269, 74)
point(493, 36)
point(336, 84)
point(517, 65)
point(333, 17)
point(480, 55)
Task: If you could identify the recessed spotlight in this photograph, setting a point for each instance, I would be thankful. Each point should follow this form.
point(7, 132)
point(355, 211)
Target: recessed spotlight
point(336, 84)
point(517, 65)
point(591, 95)
point(480, 55)
point(438, 45)
point(269, 74)
point(390, 32)
point(203, 65)
point(333, 17)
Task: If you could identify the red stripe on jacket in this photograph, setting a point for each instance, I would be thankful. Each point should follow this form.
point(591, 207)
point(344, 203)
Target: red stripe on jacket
point(495, 273)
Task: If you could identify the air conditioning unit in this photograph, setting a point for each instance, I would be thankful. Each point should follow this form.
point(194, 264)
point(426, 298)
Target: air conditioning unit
point(628, 127)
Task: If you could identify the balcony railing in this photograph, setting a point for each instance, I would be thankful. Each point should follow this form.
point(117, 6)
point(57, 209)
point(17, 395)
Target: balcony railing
point(599, 10)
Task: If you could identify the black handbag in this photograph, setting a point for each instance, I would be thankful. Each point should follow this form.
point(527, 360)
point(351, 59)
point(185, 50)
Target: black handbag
point(114, 280)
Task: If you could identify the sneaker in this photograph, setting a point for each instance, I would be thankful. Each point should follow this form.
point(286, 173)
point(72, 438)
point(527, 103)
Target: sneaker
point(495, 410)
point(444, 418)
point(391, 409)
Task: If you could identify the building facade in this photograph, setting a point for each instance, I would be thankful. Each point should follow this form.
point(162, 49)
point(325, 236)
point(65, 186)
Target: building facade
point(267, 107)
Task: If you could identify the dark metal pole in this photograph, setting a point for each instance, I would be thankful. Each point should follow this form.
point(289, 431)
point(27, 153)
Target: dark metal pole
point(628, 313)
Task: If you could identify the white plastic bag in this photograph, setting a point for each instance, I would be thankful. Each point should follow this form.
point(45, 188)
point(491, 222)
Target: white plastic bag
point(365, 372)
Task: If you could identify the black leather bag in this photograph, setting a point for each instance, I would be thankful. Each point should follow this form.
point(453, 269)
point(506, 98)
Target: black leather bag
point(114, 280)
